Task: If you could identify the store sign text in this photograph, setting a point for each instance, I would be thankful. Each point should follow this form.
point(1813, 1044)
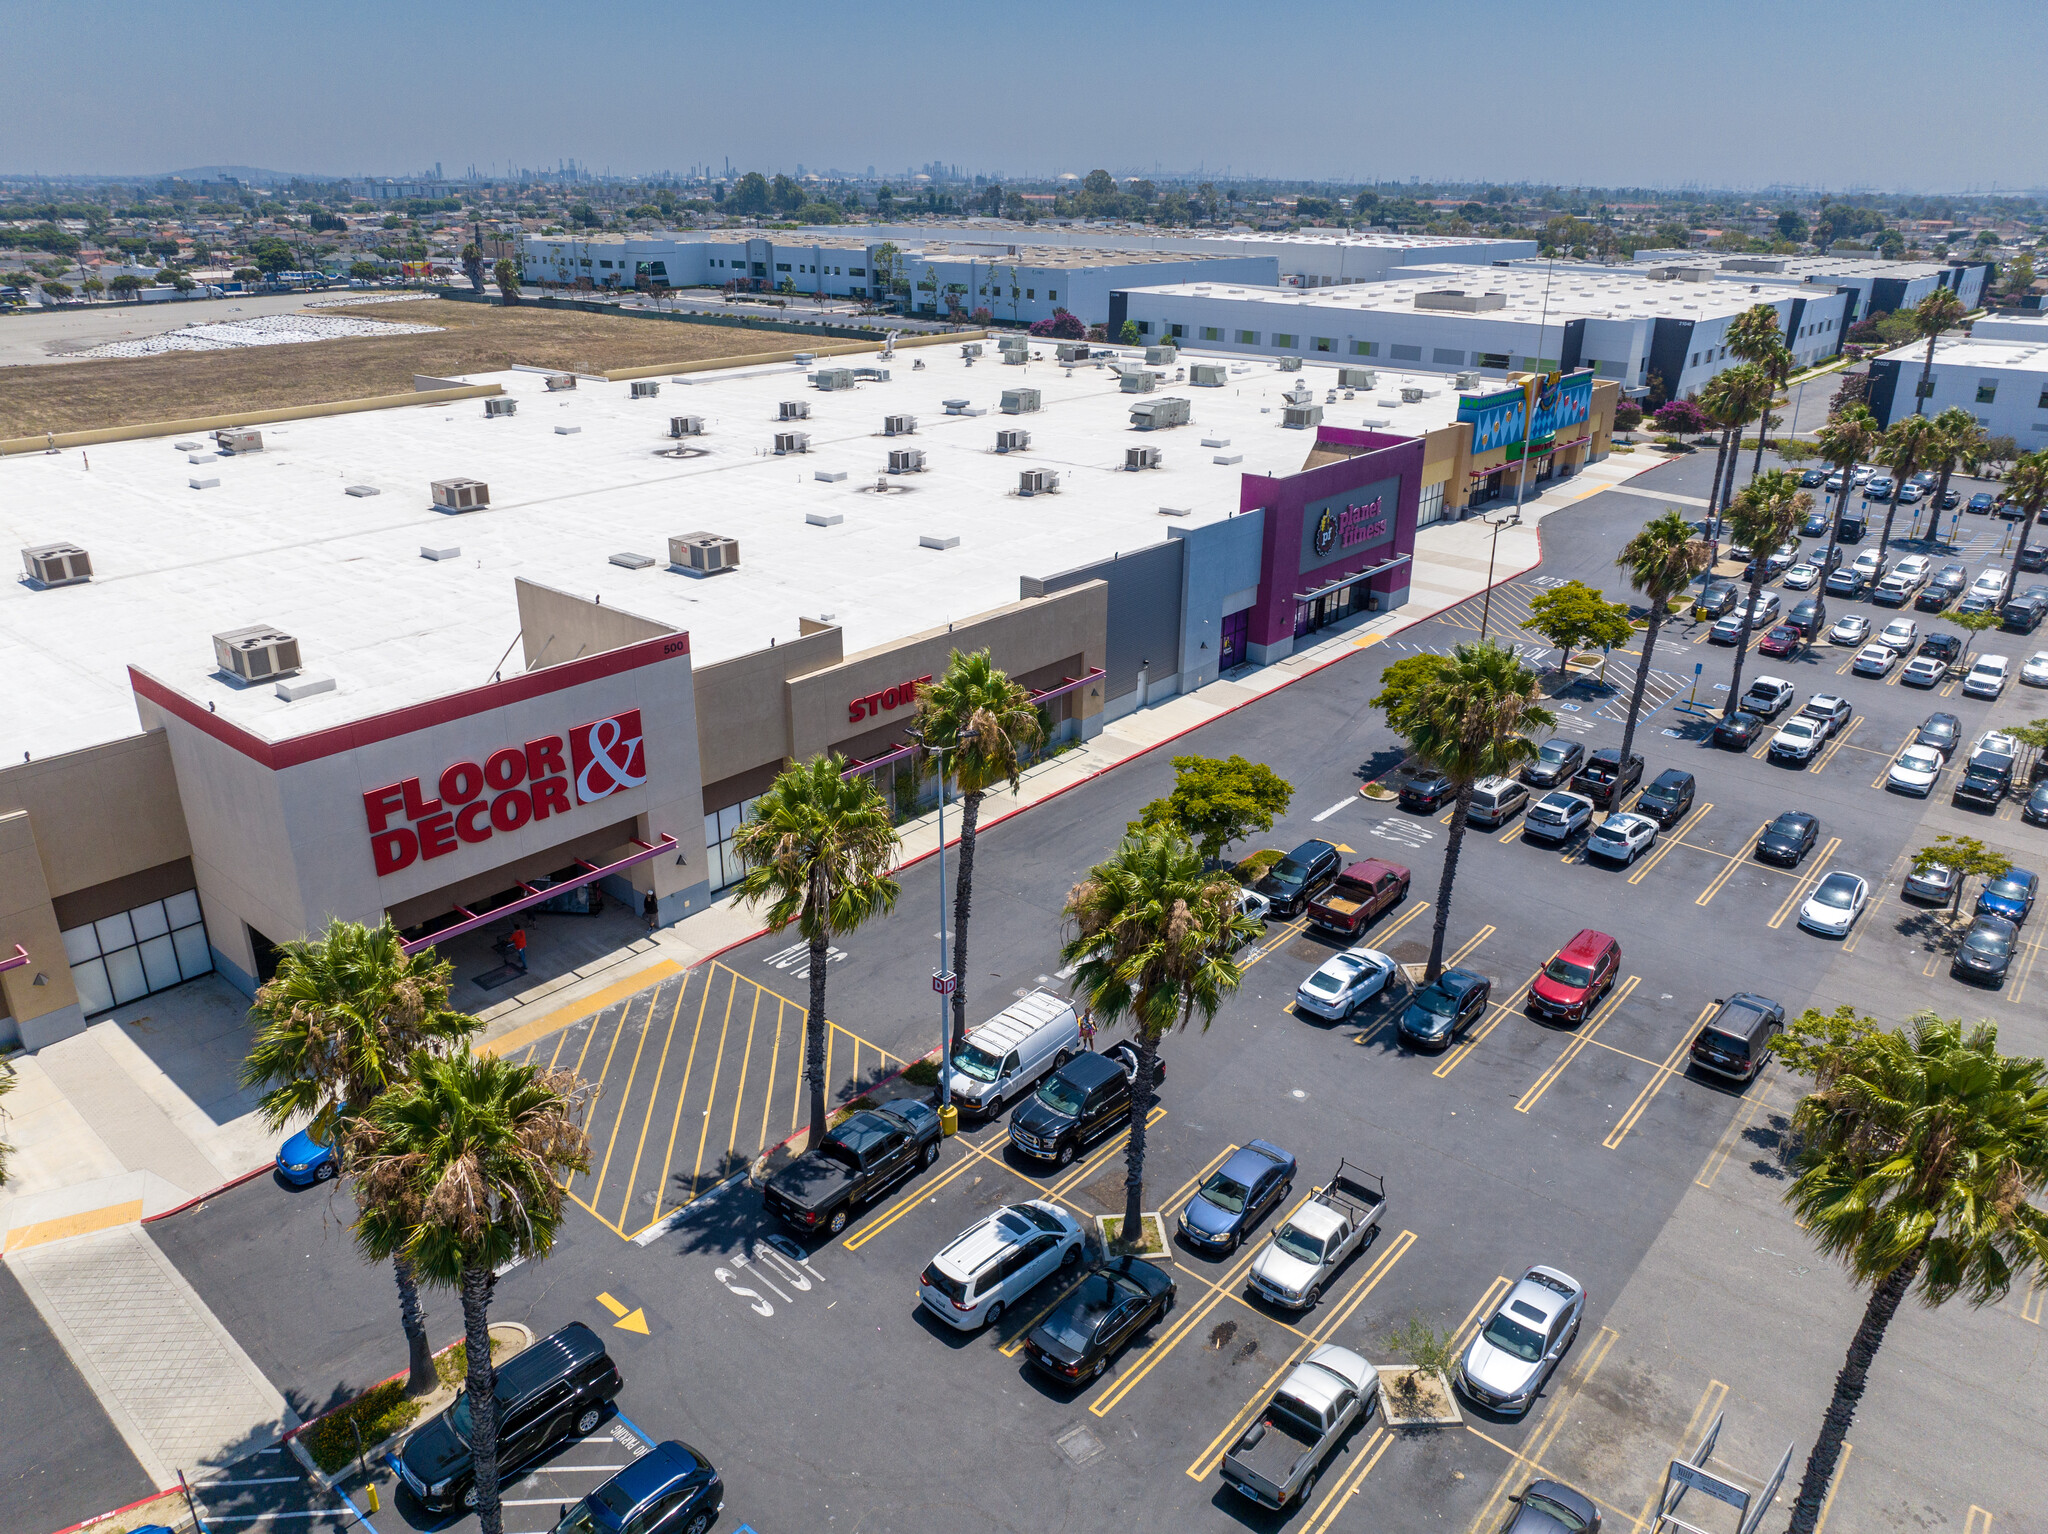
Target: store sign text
point(877, 703)
point(508, 789)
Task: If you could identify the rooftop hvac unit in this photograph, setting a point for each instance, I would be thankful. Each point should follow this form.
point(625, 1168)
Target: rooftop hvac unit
point(829, 379)
point(686, 426)
point(1072, 351)
point(1020, 401)
point(793, 410)
point(1158, 355)
point(803, 359)
point(1465, 380)
point(1139, 381)
point(898, 425)
point(906, 460)
point(1299, 416)
point(971, 349)
point(1141, 457)
point(461, 494)
point(1014, 440)
point(956, 406)
point(239, 440)
point(1300, 394)
point(1357, 378)
point(256, 654)
point(1038, 481)
point(872, 375)
point(792, 442)
point(706, 553)
point(1290, 364)
point(1411, 395)
point(645, 388)
point(1155, 413)
point(1208, 375)
point(501, 407)
point(561, 381)
point(57, 564)
point(1015, 356)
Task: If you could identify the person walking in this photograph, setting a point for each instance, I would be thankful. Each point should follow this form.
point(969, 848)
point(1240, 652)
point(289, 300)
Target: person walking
point(519, 947)
point(651, 909)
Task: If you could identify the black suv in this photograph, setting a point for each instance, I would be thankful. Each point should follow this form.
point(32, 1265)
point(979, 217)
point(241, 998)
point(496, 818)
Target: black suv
point(555, 1390)
point(1668, 797)
point(1947, 585)
point(1603, 779)
point(1299, 877)
point(1984, 783)
point(1716, 598)
point(1077, 1102)
point(1737, 1039)
point(2023, 612)
point(1805, 617)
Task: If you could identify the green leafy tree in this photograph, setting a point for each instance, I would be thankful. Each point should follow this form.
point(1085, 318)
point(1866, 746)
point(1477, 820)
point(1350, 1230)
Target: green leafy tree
point(1216, 802)
point(1923, 1156)
point(472, 267)
point(92, 287)
point(1974, 624)
point(1403, 684)
point(1128, 334)
point(1472, 719)
point(749, 194)
point(506, 274)
point(817, 848)
point(57, 289)
point(338, 1025)
point(1967, 857)
point(1575, 615)
point(785, 194)
point(1662, 561)
point(1762, 516)
point(1153, 932)
point(127, 285)
point(1732, 399)
point(1755, 336)
point(2028, 485)
point(1939, 311)
point(270, 255)
point(1850, 436)
point(460, 1170)
point(986, 724)
point(369, 271)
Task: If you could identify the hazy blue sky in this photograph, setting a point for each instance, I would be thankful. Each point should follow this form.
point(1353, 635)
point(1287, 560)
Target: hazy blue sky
point(1834, 93)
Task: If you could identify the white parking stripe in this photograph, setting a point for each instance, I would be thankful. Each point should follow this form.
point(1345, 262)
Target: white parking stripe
point(1340, 804)
point(261, 1480)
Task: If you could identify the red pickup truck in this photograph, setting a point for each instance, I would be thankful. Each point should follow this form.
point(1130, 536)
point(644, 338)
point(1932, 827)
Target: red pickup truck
point(1361, 892)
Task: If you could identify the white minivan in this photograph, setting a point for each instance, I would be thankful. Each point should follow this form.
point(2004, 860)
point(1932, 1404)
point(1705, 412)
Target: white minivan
point(1001, 1060)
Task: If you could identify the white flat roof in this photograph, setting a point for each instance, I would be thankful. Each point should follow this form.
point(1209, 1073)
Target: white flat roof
point(1970, 352)
point(278, 542)
point(1574, 292)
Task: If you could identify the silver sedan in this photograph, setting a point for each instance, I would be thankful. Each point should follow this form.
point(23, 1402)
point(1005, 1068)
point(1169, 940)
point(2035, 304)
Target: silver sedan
point(1518, 1349)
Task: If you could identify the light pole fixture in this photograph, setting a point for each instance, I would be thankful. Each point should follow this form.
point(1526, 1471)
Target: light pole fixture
point(944, 981)
point(1512, 519)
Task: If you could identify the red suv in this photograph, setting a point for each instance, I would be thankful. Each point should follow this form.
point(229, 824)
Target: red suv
point(1576, 977)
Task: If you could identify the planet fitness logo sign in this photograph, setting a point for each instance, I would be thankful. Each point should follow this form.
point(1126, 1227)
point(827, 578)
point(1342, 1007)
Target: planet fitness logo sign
point(1348, 528)
point(509, 788)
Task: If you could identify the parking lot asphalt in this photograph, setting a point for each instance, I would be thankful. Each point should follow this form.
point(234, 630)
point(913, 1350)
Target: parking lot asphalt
point(808, 1373)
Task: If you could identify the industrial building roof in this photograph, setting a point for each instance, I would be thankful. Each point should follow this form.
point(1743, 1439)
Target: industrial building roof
point(2009, 354)
point(577, 477)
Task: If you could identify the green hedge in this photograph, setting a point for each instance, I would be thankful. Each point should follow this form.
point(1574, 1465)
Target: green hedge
point(377, 1413)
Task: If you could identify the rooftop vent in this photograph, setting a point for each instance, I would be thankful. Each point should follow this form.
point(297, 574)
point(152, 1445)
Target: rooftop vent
point(829, 379)
point(1038, 481)
point(1290, 364)
point(792, 442)
point(497, 407)
point(561, 381)
point(906, 460)
point(1412, 395)
point(971, 349)
point(57, 564)
point(793, 410)
point(1460, 300)
point(256, 654)
point(705, 553)
point(803, 359)
point(1465, 380)
point(633, 561)
point(1013, 440)
point(645, 388)
point(239, 440)
point(898, 425)
point(461, 494)
point(1020, 401)
point(1071, 351)
point(1141, 457)
point(686, 426)
point(1161, 356)
point(956, 406)
point(1208, 375)
point(1302, 416)
point(1156, 413)
point(871, 375)
point(1139, 380)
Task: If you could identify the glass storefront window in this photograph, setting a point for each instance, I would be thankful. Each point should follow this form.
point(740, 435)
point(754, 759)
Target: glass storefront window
point(138, 952)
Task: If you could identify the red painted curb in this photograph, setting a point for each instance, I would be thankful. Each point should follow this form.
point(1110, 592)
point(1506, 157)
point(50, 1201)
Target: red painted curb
point(232, 1182)
point(99, 1518)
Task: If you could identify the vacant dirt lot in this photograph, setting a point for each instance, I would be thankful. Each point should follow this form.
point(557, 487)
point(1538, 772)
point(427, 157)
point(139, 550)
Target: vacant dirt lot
point(121, 391)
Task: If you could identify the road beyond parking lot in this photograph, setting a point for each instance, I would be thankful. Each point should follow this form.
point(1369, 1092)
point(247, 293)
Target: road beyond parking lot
point(812, 1379)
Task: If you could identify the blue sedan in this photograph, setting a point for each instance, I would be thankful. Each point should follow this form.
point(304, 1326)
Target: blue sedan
point(1236, 1196)
point(2011, 896)
point(304, 1160)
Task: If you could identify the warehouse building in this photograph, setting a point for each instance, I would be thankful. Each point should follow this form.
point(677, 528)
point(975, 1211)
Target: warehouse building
point(2001, 380)
point(1878, 286)
point(463, 662)
point(1647, 334)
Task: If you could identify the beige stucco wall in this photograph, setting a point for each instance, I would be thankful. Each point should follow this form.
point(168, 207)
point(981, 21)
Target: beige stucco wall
point(26, 919)
point(743, 715)
point(102, 812)
point(557, 626)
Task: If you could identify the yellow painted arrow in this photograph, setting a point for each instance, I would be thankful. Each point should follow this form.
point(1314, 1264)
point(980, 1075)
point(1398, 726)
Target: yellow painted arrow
point(1341, 847)
point(628, 1321)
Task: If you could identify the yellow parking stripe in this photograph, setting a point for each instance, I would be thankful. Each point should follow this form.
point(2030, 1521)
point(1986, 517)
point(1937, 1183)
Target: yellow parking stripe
point(1348, 1486)
point(1863, 925)
point(1804, 887)
point(1553, 1423)
point(917, 1195)
point(1458, 1053)
point(1673, 1064)
point(1666, 843)
point(1827, 752)
point(1572, 1051)
point(1731, 1139)
point(1494, 1291)
point(1735, 861)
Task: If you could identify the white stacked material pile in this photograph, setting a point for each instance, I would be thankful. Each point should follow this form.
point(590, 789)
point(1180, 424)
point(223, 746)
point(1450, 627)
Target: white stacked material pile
point(264, 330)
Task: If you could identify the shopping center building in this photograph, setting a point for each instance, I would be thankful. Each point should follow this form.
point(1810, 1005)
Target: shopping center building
point(461, 660)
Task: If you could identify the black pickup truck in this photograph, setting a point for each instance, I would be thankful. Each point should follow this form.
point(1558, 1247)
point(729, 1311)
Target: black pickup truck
point(869, 1153)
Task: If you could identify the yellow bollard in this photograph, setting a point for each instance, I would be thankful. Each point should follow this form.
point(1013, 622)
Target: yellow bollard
point(949, 1120)
point(371, 1492)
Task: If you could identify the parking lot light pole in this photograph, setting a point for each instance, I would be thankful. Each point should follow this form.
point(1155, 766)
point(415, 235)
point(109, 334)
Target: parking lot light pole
point(1513, 519)
point(944, 981)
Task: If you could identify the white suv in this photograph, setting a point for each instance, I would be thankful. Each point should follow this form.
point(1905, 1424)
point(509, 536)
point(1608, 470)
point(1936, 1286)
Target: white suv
point(989, 1267)
point(1987, 676)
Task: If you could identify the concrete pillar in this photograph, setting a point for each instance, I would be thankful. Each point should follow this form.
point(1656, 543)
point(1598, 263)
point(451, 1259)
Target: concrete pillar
point(39, 994)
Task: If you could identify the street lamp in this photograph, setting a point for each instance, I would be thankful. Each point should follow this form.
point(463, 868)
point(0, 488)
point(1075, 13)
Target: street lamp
point(1512, 519)
point(944, 981)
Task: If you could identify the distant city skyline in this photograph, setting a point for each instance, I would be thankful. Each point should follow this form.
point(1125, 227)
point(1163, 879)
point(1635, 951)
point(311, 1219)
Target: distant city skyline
point(1726, 97)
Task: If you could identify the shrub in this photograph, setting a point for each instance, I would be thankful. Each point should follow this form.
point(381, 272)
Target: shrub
point(375, 1414)
point(1628, 415)
point(1683, 418)
point(922, 1073)
point(1063, 326)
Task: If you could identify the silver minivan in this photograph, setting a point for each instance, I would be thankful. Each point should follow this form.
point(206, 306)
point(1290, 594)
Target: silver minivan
point(1002, 1060)
point(1496, 800)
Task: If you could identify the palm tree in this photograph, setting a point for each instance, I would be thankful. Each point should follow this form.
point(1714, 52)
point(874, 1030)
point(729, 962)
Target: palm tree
point(1731, 399)
point(818, 848)
point(983, 723)
point(1938, 311)
point(1850, 436)
point(1661, 562)
point(1471, 719)
point(1154, 929)
point(1754, 336)
point(338, 1025)
point(1957, 440)
point(1921, 1150)
point(2027, 484)
point(1907, 444)
point(461, 1168)
point(1762, 516)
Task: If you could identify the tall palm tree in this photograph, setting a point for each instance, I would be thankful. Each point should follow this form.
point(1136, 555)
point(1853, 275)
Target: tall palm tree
point(461, 1169)
point(983, 723)
point(1958, 441)
point(1763, 515)
point(1849, 437)
point(1471, 719)
point(1754, 336)
point(1939, 311)
point(1732, 399)
point(1907, 444)
point(1661, 562)
point(2027, 484)
point(338, 1025)
point(1922, 1151)
point(818, 847)
point(1154, 929)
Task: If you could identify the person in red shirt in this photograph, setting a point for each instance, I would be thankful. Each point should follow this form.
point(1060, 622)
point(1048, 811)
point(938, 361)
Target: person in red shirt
point(519, 948)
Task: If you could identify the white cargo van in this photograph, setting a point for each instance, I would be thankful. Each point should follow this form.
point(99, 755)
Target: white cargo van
point(1001, 1060)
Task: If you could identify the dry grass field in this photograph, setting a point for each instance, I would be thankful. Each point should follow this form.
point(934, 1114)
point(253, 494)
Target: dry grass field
point(121, 391)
